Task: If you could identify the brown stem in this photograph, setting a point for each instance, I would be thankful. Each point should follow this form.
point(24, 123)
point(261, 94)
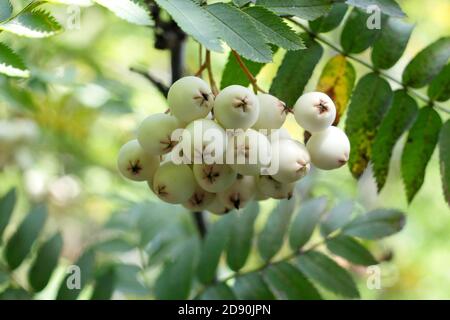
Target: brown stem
point(210, 73)
point(247, 72)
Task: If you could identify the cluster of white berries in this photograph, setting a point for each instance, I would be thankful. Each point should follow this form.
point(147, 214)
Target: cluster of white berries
point(256, 160)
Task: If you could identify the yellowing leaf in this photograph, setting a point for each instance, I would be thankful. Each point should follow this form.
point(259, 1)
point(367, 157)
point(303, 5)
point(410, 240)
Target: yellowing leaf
point(337, 80)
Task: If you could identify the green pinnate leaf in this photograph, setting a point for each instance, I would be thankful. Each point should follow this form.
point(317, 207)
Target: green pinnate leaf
point(338, 217)
point(252, 286)
point(32, 24)
point(274, 29)
point(271, 237)
point(175, 280)
point(427, 64)
point(351, 250)
point(78, 276)
point(305, 222)
point(7, 204)
point(370, 102)
point(388, 7)
point(239, 32)
point(104, 284)
point(214, 244)
point(391, 44)
point(376, 224)
point(20, 243)
point(128, 10)
point(289, 283)
point(295, 71)
point(233, 74)
point(419, 147)
point(305, 9)
point(439, 89)
point(330, 20)
point(11, 64)
point(399, 118)
point(337, 81)
point(444, 159)
point(356, 36)
point(219, 291)
point(327, 273)
point(45, 263)
point(194, 20)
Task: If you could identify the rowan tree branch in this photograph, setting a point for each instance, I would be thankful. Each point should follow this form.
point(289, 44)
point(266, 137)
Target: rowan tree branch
point(158, 84)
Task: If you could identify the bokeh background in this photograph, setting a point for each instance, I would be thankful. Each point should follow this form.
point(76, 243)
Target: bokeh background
point(58, 142)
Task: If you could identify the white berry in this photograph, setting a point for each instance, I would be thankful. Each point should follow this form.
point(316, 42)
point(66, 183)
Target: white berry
point(154, 133)
point(315, 111)
point(329, 149)
point(215, 177)
point(249, 151)
point(217, 207)
point(135, 164)
point(271, 188)
point(272, 112)
point(174, 183)
point(293, 160)
point(199, 200)
point(240, 193)
point(236, 107)
point(190, 98)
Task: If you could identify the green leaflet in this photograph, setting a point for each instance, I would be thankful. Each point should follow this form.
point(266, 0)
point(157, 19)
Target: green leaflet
point(398, 119)
point(439, 89)
point(330, 20)
point(305, 9)
point(388, 7)
point(370, 102)
point(128, 10)
point(444, 159)
point(419, 147)
point(11, 64)
point(233, 74)
point(427, 64)
point(351, 250)
point(32, 24)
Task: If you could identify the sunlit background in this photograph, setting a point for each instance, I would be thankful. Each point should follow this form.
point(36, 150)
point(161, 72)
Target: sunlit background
point(58, 144)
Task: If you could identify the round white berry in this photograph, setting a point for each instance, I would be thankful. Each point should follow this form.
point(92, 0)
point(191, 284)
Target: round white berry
point(293, 160)
point(271, 188)
point(329, 149)
point(174, 183)
point(135, 164)
point(199, 200)
point(236, 107)
point(214, 177)
point(241, 192)
point(155, 133)
point(315, 111)
point(272, 112)
point(217, 207)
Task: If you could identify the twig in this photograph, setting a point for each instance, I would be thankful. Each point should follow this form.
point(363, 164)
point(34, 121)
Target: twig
point(210, 73)
point(247, 72)
point(200, 223)
point(158, 84)
point(369, 66)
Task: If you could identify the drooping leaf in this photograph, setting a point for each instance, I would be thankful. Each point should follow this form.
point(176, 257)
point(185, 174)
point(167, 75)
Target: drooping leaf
point(274, 29)
point(444, 159)
point(78, 276)
point(327, 273)
point(388, 7)
point(427, 64)
point(356, 36)
point(271, 237)
point(330, 20)
point(11, 63)
point(32, 24)
point(15, 294)
point(337, 81)
point(115, 245)
point(128, 10)
point(7, 204)
point(289, 283)
point(376, 224)
point(399, 118)
point(174, 282)
point(338, 217)
point(295, 71)
point(305, 9)
point(194, 20)
point(233, 74)
point(6, 10)
point(391, 44)
point(351, 250)
point(241, 3)
point(439, 89)
point(419, 147)
point(305, 222)
point(241, 235)
point(251, 286)
point(104, 284)
point(128, 281)
point(45, 263)
point(214, 244)
point(19, 245)
point(219, 291)
point(370, 102)
point(239, 32)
